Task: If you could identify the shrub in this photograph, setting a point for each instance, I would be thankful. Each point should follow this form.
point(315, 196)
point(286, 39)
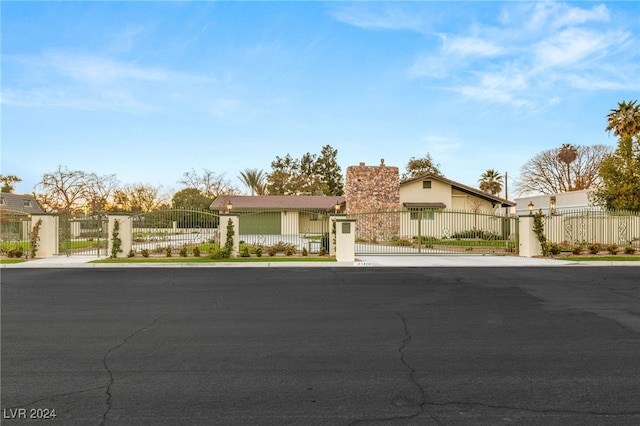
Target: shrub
point(271, 251)
point(183, 251)
point(304, 251)
point(131, 253)
point(16, 252)
point(259, 251)
point(594, 248)
point(290, 250)
point(167, 251)
point(196, 251)
point(400, 242)
point(323, 251)
point(554, 249)
point(577, 249)
point(612, 248)
point(217, 253)
point(144, 252)
point(629, 250)
point(245, 252)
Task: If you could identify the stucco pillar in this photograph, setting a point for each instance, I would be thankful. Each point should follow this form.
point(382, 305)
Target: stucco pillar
point(345, 240)
point(125, 233)
point(48, 234)
point(529, 244)
point(224, 222)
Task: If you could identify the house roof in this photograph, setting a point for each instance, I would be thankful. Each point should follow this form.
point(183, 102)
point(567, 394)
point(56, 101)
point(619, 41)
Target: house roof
point(463, 188)
point(294, 202)
point(19, 202)
point(425, 205)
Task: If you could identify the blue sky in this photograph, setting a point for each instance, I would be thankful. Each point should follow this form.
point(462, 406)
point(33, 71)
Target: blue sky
point(150, 90)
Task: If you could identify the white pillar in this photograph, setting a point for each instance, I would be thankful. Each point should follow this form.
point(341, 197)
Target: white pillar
point(48, 234)
point(529, 244)
point(125, 232)
point(224, 222)
point(345, 240)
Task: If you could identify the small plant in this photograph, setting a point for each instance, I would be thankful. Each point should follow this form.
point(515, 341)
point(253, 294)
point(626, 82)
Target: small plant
point(289, 251)
point(594, 248)
point(629, 250)
point(196, 251)
point(577, 249)
point(228, 245)
point(612, 248)
point(259, 251)
point(554, 249)
point(217, 253)
point(131, 253)
point(400, 242)
point(183, 251)
point(16, 252)
point(304, 251)
point(34, 238)
point(538, 229)
point(167, 251)
point(245, 252)
point(271, 251)
point(116, 242)
point(322, 252)
point(144, 252)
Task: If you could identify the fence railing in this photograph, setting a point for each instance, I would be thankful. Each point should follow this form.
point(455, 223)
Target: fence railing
point(571, 227)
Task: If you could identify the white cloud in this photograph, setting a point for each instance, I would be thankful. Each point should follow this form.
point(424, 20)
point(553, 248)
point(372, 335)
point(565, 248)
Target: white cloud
point(470, 46)
point(377, 16)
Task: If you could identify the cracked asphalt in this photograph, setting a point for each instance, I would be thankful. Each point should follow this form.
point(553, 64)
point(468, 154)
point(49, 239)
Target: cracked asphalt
point(322, 346)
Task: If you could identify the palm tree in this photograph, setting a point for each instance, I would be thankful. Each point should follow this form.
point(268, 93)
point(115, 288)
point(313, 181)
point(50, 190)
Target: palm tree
point(491, 182)
point(624, 122)
point(254, 180)
point(567, 154)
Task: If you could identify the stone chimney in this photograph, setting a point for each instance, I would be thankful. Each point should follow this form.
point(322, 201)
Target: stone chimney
point(372, 188)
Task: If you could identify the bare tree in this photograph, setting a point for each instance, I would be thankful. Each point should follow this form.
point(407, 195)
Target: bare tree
point(551, 172)
point(63, 189)
point(209, 183)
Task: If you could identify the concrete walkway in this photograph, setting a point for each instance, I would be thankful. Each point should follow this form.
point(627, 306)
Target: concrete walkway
point(417, 261)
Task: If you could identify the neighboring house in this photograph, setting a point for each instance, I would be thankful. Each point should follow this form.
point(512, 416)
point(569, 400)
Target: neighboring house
point(572, 200)
point(24, 203)
point(279, 214)
point(15, 211)
point(437, 192)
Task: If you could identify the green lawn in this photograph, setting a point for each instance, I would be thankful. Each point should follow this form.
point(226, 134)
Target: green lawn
point(208, 260)
point(10, 261)
point(602, 259)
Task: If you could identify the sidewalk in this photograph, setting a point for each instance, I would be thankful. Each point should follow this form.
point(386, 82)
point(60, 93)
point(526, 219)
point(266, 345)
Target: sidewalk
point(419, 261)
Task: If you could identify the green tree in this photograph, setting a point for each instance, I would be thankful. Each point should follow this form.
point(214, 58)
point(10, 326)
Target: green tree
point(8, 182)
point(190, 198)
point(620, 171)
point(311, 174)
point(254, 180)
point(421, 166)
point(491, 182)
point(329, 171)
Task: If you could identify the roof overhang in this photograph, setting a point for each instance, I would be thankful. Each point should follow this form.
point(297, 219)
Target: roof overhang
point(425, 205)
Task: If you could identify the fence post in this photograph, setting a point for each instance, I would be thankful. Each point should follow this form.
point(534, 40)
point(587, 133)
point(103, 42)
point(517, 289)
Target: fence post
point(224, 222)
point(345, 240)
point(48, 234)
point(125, 233)
point(529, 244)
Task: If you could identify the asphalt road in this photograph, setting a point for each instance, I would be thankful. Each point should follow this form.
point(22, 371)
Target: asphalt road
point(334, 346)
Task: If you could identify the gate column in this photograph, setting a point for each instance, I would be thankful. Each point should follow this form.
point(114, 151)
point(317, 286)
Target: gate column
point(224, 222)
point(345, 240)
point(529, 244)
point(125, 233)
point(48, 234)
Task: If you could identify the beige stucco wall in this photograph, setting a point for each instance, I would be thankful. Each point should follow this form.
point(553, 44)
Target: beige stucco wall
point(413, 192)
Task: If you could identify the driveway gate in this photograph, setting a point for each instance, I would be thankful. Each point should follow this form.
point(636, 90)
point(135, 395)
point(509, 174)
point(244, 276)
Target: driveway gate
point(83, 235)
point(431, 231)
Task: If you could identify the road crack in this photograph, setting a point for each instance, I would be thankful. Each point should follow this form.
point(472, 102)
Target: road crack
point(106, 366)
point(422, 403)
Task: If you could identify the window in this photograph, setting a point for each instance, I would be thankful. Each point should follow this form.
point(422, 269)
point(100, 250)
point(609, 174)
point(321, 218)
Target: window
point(1, 200)
point(426, 184)
point(422, 215)
point(26, 203)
